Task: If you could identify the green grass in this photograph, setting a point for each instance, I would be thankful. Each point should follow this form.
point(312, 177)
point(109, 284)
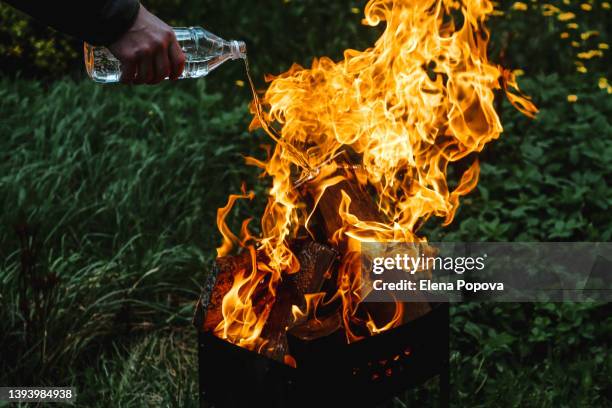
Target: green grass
point(113, 194)
point(107, 214)
point(548, 179)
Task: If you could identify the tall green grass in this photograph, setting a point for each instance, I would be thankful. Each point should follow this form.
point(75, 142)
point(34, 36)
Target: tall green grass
point(108, 203)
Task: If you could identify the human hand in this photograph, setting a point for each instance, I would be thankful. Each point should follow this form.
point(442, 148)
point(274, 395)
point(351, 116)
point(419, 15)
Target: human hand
point(148, 51)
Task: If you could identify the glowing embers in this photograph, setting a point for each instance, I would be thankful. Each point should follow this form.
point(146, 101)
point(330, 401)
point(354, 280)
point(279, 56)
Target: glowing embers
point(387, 367)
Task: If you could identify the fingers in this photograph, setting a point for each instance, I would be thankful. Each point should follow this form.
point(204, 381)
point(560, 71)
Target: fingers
point(161, 67)
point(145, 70)
point(128, 71)
point(177, 60)
point(154, 64)
point(148, 51)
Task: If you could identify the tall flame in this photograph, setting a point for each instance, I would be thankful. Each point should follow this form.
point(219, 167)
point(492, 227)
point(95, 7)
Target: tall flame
point(419, 100)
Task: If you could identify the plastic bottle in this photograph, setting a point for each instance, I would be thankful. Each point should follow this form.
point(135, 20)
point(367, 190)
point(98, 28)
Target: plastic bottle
point(203, 53)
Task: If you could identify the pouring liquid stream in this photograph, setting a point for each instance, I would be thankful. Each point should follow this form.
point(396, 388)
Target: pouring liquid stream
point(297, 156)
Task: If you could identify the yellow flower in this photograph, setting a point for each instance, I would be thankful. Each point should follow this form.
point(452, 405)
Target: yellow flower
point(549, 10)
point(17, 50)
point(575, 44)
point(519, 6)
point(588, 34)
point(355, 10)
point(605, 5)
point(603, 46)
point(564, 35)
point(586, 7)
point(572, 98)
point(240, 83)
point(582, 70)
point(590, 54)
point(603, 83)
point(572, 26)
point(518, 72)
point(566, 2)
point(566, 16)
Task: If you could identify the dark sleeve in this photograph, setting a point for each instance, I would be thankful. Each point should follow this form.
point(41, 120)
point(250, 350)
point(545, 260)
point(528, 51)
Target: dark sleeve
point(99, 22)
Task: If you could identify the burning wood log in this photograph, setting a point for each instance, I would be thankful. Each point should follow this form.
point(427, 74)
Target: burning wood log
point(318, 327)
point(314, 276)
point(363, 207)
point(315, 260)
point(328, 214)
point(220, 280)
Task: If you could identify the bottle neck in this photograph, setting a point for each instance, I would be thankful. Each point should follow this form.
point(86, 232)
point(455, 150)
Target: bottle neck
point(237, 49)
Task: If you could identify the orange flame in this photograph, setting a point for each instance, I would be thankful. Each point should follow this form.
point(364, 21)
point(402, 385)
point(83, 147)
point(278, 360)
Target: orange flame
point(419, 100)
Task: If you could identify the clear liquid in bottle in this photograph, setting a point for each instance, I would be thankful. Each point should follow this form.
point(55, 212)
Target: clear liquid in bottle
point(203, 53)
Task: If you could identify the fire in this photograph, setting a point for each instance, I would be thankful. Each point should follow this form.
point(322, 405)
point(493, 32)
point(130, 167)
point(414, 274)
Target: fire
point(418, 101)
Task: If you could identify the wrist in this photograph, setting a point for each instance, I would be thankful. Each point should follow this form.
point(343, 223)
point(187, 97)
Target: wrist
point(122, 14)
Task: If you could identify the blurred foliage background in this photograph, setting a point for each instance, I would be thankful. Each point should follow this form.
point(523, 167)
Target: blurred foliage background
point(108, 197)
point(536, 36)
